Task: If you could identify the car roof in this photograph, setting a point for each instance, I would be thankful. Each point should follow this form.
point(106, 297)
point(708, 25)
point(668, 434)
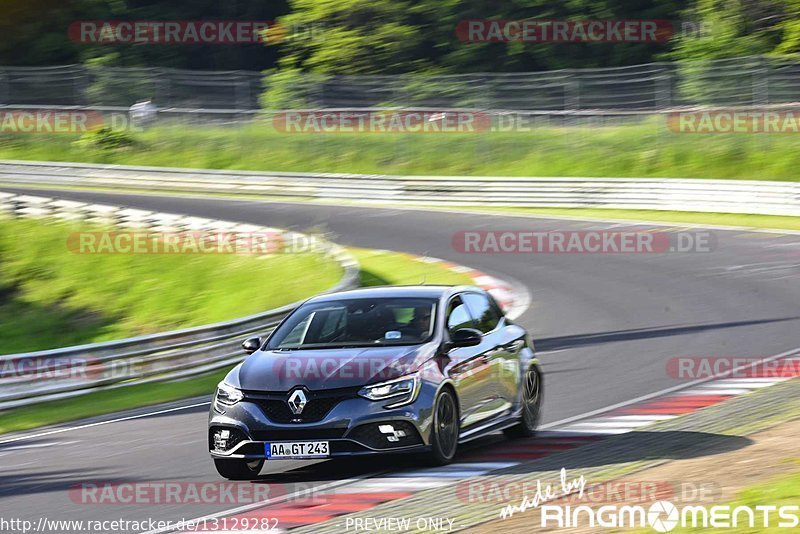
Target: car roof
point(420, 291)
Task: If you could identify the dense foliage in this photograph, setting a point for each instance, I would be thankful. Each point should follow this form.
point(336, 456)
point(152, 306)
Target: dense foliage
point(394, 36)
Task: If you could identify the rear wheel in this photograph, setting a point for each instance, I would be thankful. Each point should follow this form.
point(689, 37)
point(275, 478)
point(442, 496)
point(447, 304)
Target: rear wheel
point(531, 404)
point(444, 435)
point(238, 469)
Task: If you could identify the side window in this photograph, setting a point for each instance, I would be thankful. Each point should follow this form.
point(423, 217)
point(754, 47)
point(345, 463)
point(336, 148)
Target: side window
point(485, 314)
point(458, 315)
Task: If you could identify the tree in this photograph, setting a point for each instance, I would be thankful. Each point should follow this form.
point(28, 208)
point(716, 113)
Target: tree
point(733, 29)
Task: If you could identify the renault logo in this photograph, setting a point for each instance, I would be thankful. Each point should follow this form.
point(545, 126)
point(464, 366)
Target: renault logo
point(297, 401)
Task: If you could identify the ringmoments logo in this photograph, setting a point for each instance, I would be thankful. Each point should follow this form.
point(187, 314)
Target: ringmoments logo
point(663, 516)
point(553, 500)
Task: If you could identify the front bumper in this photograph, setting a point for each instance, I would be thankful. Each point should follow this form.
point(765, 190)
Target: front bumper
point(352, 427)
point(254, 450)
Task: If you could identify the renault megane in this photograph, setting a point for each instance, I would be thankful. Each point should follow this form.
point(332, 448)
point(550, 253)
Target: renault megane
point(375, 371)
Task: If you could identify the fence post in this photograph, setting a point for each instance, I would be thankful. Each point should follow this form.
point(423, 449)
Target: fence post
point(5, 96)
point(663, 97)
point(162, 97)
point(663, 88)
point(78, 85)
point(573, 93)
point(761, 82)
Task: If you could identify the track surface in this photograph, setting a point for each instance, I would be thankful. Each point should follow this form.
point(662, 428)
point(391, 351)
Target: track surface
point(604, 325)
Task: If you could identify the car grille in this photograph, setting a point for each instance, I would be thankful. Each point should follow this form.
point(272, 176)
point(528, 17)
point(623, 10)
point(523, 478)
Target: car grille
point(319, 404)
point(299, 434)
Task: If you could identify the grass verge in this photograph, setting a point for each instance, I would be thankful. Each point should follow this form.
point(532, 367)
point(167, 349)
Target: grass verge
point(378, 268)
point(777, 222)
point(51, 296)
point(645, 149)
point(781, 491)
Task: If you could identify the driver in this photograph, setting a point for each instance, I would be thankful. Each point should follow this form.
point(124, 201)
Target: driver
point(420, 322)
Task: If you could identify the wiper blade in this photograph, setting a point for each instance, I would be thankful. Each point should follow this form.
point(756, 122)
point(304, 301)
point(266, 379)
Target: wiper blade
point(322, 346)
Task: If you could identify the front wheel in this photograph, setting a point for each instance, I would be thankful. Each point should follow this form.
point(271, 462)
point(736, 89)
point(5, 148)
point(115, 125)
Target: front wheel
point(236, 469)
point(531, 405)
point(444, 434)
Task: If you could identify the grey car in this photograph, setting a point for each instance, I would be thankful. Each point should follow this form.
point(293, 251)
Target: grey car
point(416, 369)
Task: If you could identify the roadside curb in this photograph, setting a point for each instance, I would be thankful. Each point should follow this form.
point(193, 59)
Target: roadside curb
point(376, 204)
point(511, 295)
point(601, 459)
point(621, 440)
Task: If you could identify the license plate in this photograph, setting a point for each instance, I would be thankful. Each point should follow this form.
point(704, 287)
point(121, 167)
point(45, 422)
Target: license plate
point(297, 449)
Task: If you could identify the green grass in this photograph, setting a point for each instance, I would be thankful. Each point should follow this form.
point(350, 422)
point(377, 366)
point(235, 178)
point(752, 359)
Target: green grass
point(683, 217)
point(52, 297)
point(378, 268)
point(780, 491)
point(646, 149)
point(109, 401)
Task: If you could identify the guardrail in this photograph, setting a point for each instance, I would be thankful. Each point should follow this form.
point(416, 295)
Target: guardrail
point(726, 196)
point(60, 373)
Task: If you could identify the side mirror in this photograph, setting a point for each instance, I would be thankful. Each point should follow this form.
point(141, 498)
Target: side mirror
point(251, 345)
point(465, 337)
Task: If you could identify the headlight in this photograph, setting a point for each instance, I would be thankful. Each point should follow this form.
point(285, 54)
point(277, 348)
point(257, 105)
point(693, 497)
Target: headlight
point(228, 395)
point(400, 391)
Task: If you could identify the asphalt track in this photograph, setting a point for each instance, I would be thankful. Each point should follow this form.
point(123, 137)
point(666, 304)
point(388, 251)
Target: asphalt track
point(605, 326)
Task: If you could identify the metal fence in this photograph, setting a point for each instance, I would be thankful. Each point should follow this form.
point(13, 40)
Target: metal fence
point(732, 196)
point(745, 81)
point(60, 373)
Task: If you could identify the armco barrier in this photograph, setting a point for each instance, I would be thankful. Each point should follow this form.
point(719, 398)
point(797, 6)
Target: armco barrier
point(726, 196)
point(182, 353)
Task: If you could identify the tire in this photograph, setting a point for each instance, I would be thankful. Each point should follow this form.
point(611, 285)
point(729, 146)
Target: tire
point(531, 407)
point(238, 469)
point(445, 430)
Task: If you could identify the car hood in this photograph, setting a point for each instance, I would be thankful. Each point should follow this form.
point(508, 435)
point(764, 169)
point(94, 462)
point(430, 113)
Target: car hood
point(328, 368)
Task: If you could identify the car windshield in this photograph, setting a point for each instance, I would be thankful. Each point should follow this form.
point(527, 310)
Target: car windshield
point(357, 323)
